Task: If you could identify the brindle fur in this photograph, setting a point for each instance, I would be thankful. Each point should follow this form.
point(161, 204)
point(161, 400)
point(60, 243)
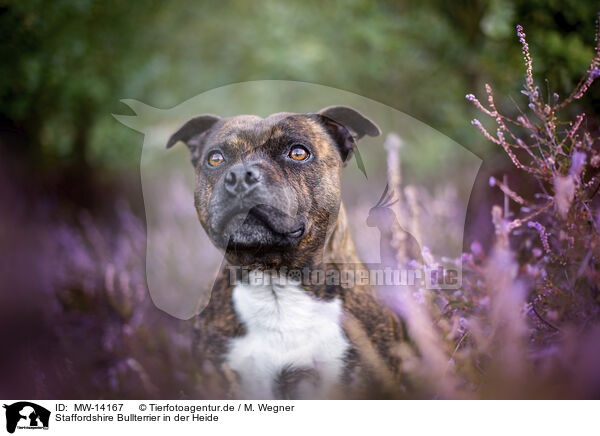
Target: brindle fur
point(323, 247)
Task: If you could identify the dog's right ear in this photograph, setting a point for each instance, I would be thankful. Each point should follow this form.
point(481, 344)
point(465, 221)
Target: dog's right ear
point(192, 132)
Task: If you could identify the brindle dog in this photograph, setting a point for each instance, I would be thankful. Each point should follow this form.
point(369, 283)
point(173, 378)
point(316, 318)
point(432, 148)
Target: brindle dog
point(268, 195)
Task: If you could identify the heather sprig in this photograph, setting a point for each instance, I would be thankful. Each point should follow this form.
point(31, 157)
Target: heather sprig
point(561, 220)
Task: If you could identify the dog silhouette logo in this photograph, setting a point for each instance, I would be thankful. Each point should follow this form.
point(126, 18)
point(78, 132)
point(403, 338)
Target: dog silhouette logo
point(26, 415)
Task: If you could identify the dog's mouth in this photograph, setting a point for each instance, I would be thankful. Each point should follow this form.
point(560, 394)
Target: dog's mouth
point(278, 221)
point(261, 226)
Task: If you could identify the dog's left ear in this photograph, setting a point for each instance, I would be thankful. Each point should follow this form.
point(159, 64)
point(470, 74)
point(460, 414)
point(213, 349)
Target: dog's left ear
point(346, 126)
point(192, 132)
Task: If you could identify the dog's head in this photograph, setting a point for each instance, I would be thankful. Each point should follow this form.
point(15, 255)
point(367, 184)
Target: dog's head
point(267, 189)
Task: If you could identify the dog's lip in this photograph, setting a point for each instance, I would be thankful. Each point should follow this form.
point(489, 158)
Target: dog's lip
point(275, 220)
point(296, 233)
point(278, 221)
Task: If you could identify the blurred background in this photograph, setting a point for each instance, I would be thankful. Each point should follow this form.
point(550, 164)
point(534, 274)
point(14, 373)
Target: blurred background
point(67, 64)
point(72, 228)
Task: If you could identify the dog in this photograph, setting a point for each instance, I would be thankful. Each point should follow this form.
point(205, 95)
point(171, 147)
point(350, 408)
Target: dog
point(268, 195)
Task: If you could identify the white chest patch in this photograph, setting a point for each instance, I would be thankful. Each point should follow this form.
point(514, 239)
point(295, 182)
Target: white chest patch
point(285, 327)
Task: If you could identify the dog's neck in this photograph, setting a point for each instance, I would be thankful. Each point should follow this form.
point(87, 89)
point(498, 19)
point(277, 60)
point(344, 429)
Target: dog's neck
point(337, 251)
point(339, 247)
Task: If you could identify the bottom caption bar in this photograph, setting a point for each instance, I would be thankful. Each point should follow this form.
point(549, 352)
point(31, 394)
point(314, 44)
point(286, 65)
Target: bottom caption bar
point(274, 417)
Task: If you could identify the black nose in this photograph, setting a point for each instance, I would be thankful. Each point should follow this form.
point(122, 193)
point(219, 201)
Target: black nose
point(241, 179)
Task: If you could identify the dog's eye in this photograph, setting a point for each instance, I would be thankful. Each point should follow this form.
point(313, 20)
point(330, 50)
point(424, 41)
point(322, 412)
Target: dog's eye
point(215, 158)
point(299, 153)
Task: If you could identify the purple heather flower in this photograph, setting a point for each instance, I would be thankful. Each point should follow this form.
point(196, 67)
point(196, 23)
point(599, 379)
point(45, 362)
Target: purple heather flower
point(577, 163)
point(476, 248)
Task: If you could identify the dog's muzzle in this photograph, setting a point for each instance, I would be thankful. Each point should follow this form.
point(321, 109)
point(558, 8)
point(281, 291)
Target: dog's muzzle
point(248, 211)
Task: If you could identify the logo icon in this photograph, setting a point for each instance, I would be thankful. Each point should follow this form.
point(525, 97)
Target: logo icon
point(26, 415)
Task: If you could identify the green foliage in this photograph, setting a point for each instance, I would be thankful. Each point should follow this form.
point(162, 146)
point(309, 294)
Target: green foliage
point(66, 64)
point(63, 64)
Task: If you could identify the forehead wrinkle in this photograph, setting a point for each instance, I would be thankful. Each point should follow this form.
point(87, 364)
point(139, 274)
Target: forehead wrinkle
point(253, 139)
point(248, 133)
point(238, 132)
point(295, 127)
point(250, 139)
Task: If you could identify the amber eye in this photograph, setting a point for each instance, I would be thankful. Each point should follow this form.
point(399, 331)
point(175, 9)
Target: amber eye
point(215, 158)
point(299, 153)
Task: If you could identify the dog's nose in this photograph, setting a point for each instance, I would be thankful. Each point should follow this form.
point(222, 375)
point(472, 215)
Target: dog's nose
point(240, 179)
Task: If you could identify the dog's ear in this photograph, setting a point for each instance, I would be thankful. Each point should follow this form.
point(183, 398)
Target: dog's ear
point(192, 132)
point(346, 125)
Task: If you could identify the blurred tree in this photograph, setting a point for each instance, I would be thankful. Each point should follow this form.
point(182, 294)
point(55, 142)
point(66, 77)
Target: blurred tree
point(63, 64)
point(66, 64)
